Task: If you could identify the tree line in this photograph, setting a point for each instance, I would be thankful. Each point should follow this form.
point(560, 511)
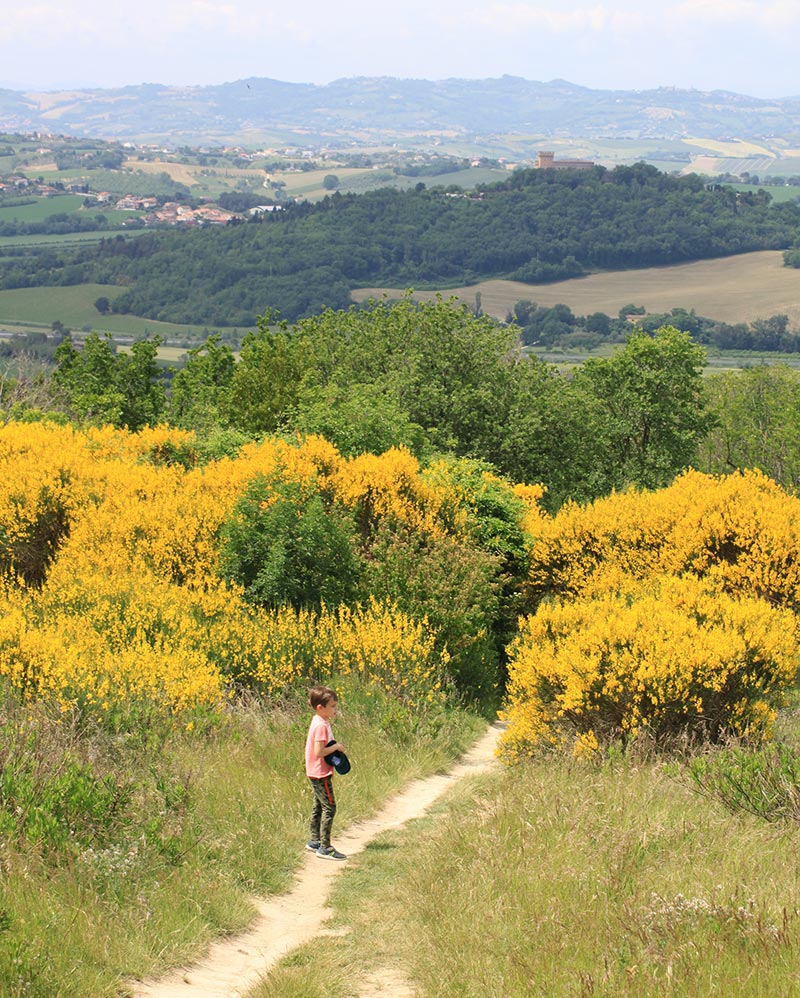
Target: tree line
point(437, 379)
point(557, 326)
point(434, 378)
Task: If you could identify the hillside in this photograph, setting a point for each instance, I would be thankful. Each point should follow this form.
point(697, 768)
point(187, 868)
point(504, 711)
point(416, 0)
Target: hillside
point(370, 109)
point(535, 227)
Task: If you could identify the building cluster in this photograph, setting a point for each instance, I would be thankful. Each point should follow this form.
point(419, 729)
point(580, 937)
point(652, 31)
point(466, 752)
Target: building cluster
point(18, 184)
point(173, 213)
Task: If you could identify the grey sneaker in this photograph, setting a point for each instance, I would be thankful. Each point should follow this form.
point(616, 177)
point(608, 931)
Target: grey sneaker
point(312, 845)
point(328, 852)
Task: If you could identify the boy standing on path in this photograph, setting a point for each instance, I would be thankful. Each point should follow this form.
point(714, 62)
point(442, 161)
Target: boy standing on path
point(319, 745)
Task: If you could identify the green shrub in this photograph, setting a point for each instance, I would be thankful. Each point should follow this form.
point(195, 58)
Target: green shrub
point(452, 584)
point(284, 545)
point(763, 781)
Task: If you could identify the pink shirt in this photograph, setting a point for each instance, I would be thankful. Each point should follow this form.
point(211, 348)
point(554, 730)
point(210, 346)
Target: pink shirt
point(318, 731)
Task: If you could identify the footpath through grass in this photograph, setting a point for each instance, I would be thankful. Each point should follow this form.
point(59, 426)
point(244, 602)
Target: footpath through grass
point(165, 834)
point(565, 878)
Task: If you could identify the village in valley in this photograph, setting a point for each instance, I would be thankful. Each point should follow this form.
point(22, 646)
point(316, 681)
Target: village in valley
point(137, 184)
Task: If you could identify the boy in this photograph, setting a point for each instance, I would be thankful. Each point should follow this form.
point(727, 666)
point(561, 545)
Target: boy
point(319, 745)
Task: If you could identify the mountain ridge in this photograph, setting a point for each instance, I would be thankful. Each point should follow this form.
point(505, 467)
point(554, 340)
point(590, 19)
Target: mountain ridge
point(364, 109)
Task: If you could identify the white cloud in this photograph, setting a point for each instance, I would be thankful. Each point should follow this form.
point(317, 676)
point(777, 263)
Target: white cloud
point(42, 20)
point(768, 14)
point(729, 44)
point(508, 18)
point(622, 17)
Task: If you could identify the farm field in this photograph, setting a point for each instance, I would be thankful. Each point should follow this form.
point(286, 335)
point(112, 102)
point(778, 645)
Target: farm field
point(778, 194)
point(37, 308)
point(68, 238)
point(716, 360)
point(732, 289)
point(41, 208)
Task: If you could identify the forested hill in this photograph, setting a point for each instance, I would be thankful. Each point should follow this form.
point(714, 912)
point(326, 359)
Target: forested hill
point(536, 226)
point(383, 106)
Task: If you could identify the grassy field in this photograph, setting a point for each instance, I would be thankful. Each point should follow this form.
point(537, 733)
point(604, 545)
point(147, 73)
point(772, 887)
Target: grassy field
point(564, 879)
point(238, 811)
point(735, 149)
point(732, 289)
point(717, 361)
point(776, 166)
point(69, 238)
point(180, 172)
point(41, 208)
point(778, 194)
point(38, 308)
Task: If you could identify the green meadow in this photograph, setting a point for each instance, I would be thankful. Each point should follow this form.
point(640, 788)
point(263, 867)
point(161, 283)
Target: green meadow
point(563, 879)
point(10, 243)
point(37, 308)
point(41, 208)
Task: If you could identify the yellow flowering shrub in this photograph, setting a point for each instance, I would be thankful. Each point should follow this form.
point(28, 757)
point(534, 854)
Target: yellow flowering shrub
point(666, 656)
point(659, 609)
point(741, 529)
point(119, 602)
point(43, 485)
point(94, 648)
point(376, 644)
point(388, 485)
point(116, 638)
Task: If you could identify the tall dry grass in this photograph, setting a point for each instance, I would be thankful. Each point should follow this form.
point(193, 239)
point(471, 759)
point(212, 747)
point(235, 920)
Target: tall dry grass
point(565, 878)
point(198, 822)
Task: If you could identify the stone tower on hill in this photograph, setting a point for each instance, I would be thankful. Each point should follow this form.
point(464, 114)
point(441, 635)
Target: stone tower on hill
point(547, 161)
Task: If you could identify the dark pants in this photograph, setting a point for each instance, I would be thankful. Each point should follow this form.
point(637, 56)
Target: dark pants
point(323, 810)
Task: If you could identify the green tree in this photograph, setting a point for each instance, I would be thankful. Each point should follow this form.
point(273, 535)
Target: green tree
point(140, 382)
point(103, 386)
point(265, 382)
point(87, 379)
point(454, 585)
point(286, 546)
point(646, 406)
point(359, 418)
point(433, 376)
point(546, 434)
point(598, 322)
point(200, 388)
point(757, 414)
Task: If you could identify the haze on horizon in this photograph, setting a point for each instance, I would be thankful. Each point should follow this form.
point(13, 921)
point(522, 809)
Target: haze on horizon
point(744, 46)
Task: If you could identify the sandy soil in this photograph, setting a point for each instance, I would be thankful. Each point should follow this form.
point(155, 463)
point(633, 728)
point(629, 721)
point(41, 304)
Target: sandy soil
point(233, 966)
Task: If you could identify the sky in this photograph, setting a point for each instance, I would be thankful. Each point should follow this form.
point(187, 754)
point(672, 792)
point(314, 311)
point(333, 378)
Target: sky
point(745, 46)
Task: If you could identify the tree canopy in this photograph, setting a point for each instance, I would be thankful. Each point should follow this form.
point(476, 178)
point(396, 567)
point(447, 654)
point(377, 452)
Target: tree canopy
point(538, 225)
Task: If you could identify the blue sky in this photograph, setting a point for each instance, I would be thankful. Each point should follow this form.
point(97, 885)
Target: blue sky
point(747, 46)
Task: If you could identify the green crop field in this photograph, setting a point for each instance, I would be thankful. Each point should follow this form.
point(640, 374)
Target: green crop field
point(41, 208)
point(778, 194)
point(63, 238)
point(38, 308)
point(732, 289)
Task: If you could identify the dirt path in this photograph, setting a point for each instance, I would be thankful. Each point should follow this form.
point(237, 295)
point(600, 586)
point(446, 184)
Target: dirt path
point(235, 965)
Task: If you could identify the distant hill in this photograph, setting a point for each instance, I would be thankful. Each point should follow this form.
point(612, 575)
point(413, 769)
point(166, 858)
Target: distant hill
point(536, 226)
point(364, 110)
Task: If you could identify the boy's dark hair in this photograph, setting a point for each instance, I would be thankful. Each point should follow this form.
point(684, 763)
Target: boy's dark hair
point(321, 696)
